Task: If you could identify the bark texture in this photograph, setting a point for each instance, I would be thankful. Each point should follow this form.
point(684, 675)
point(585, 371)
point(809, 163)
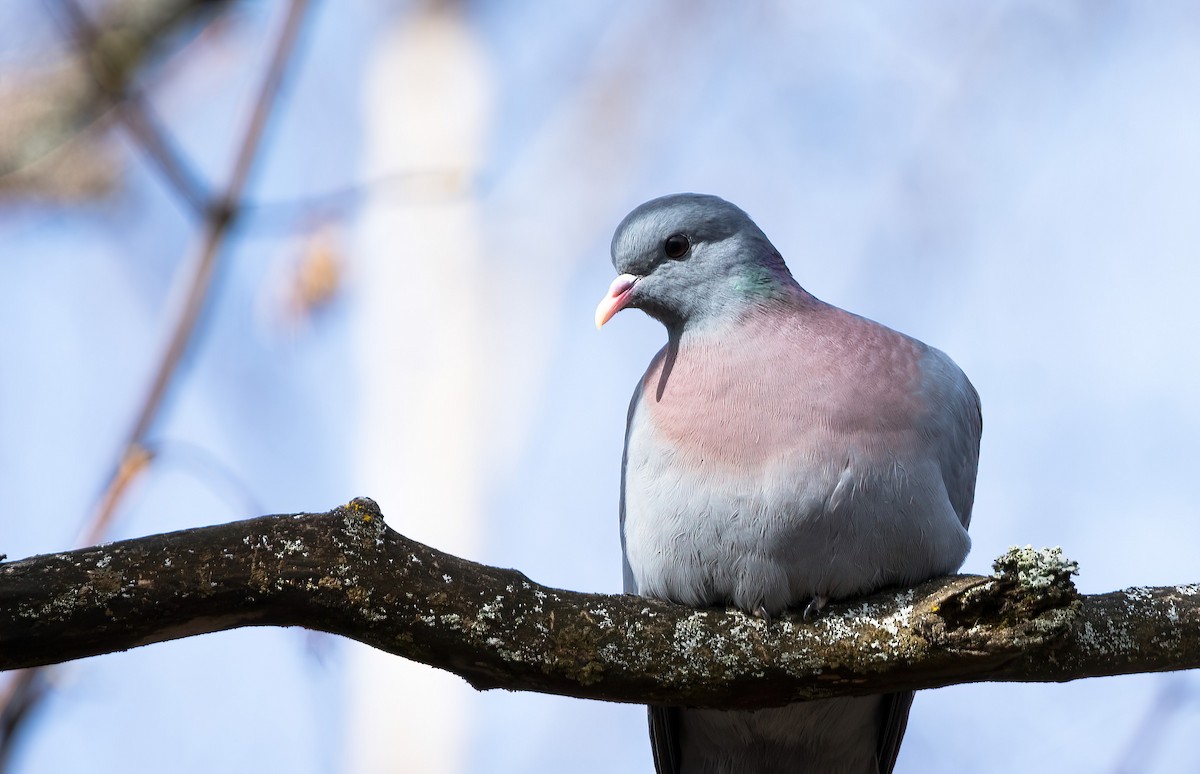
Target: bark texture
point(346, 572)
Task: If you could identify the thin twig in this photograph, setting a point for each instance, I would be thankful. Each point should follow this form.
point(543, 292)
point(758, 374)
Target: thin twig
point(220, 214)
point(18, 697)
point(266, 100)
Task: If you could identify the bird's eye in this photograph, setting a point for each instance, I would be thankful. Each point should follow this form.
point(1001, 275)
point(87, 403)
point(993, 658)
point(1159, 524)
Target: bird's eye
point(676, 246)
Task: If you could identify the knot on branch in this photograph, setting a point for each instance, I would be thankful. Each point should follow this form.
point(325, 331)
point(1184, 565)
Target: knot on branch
point(362, 521)
point(362, 509)
point(1029, 602)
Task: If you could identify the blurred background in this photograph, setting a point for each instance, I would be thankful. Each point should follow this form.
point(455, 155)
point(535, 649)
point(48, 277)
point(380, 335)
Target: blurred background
point(263, 257)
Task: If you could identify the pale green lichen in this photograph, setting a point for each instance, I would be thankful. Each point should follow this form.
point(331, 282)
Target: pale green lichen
point(1137, 594)
point(1036, 569)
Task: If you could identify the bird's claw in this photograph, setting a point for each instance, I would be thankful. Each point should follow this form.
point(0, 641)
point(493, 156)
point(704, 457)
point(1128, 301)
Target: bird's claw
point(815, 606)
point(761, 612)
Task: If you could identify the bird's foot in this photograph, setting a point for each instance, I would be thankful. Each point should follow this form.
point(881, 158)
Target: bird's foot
point(761, 612)
point(815, 606)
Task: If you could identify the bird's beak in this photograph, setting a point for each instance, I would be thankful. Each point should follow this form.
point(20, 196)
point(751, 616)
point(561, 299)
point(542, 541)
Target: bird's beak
point(617, 298)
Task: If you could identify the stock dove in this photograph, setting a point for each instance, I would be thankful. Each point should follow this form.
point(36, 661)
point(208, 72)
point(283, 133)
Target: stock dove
point(780, 452)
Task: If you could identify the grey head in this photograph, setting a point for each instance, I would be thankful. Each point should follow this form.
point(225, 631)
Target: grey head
point(691, 260)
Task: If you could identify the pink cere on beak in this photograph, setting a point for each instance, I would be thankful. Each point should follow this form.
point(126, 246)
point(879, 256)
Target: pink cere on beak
point(617, 298)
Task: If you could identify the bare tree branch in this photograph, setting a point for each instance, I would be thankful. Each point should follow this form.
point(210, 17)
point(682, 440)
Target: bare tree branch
point(346, 572)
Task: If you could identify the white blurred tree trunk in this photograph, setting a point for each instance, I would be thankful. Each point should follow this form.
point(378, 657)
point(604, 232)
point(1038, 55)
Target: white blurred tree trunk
point(425, 106)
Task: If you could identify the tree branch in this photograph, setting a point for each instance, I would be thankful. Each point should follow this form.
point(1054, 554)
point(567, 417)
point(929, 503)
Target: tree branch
point(346, 572)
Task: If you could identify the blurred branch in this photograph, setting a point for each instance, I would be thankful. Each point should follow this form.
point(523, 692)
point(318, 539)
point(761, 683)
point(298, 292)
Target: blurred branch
point(111, 59)
point(347, 573)
point(18, 697)
point(47, 140)
point(1149, 735)
point(207, 469)
point(53, 122)
point(219, 215)
point(48, 147)
point(426, 186)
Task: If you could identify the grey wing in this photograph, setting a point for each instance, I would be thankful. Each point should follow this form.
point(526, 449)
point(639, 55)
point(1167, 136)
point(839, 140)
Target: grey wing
point(628, 583)
point(957, 425)
point(893, 720)
point(663, 721)
point(960, 469)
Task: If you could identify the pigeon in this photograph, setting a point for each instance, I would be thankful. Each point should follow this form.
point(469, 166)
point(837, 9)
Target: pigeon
point(780, 453)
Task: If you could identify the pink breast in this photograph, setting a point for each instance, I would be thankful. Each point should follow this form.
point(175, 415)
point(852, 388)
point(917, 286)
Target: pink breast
point(748, 396)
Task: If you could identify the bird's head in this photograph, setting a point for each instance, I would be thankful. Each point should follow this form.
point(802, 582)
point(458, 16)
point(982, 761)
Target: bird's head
point(690, 260)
